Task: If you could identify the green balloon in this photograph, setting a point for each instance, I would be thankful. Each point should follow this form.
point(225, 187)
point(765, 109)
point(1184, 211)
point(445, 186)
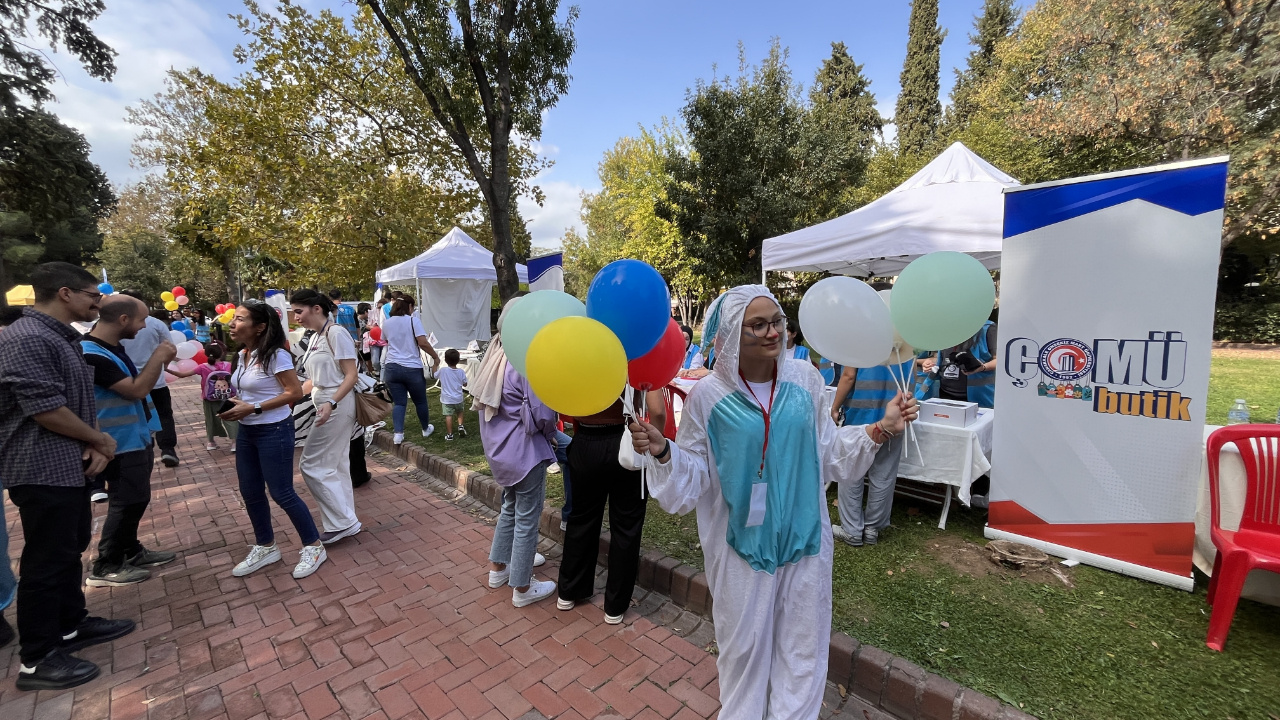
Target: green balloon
point(941, 299)
point(530, 315)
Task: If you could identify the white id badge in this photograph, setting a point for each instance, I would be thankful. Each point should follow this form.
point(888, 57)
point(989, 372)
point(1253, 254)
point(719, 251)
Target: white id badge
point(759, 497)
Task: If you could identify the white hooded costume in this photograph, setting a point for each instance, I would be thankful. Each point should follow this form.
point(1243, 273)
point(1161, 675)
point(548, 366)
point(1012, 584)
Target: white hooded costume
point(766, 533)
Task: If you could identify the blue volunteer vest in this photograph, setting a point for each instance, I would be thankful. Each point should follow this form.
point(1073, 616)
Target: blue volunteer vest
point(979, 387)
point(123, 419)
point(872, 391)
point(791, 526)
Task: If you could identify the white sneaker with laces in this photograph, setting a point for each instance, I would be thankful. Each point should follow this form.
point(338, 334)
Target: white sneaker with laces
point(538, 590)
point(612, 619)
point(498, 578)
point(538, 559)
point(397, 438)
point(562, 604)
point(260, 556)
point(309, 560)
point(428, 430)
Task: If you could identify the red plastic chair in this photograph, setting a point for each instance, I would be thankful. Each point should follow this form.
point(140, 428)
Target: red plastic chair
point(1256, 545)
point(669, 393)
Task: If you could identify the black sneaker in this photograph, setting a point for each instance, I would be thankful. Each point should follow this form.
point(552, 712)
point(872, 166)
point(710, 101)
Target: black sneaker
point(57, 671)
point(462, 431)
point(148, 558)
point(108, 576)
point(169, 460)
point(95, 630)
point(6, 632)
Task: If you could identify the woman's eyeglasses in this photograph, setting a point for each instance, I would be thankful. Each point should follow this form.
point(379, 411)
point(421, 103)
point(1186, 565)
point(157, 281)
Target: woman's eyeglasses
point(760, 328)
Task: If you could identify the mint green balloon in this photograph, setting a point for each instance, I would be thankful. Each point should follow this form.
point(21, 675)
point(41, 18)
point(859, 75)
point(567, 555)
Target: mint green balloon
point(941, 299)
point(530, 315)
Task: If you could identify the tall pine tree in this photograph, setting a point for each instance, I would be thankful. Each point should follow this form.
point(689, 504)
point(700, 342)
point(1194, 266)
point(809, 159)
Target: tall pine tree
point(995, 24)
point(919, 111)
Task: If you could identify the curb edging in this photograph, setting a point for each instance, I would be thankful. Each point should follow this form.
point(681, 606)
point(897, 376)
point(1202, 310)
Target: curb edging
point(899, 688)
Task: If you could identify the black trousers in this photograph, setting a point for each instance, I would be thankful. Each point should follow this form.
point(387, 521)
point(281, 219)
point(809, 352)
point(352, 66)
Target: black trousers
point(167, 438)
point(359, 469)
point(128, 477)
point(597, 479)
point(56, 529)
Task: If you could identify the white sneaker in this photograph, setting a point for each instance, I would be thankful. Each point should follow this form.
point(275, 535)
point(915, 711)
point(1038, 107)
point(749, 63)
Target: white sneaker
point(498, 578)
point(260, 556)
point(328, 538)
point(553, 469)
point(612, 619)
point(562, 604)
point(309, 560)
point(537, 591)
point(98, 497)
point(429, 429)
point(839, 533)
point(397, 438)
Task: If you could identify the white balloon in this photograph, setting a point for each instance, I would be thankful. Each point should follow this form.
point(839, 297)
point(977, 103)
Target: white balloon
point(188, 349)
point(900, 346)
point(844, 320)
point(176, 337)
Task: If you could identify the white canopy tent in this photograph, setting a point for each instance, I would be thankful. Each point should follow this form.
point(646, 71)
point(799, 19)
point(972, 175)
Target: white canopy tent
point(954, 203)
point(454, 280)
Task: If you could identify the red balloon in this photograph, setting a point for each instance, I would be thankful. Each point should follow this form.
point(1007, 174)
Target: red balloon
point(375, 333)
point(231, 306)
point(657, 367)
point(200, 357)
point(177, 291)
point(220, 308)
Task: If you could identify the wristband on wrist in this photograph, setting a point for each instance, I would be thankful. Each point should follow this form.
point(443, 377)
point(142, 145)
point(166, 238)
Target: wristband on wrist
point(666, 450)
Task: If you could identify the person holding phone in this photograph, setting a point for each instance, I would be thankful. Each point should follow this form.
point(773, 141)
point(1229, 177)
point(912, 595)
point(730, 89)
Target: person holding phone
point(966, 371)
point(266, 385)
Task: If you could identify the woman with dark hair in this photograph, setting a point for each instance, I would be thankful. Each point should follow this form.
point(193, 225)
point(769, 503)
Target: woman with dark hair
point(692, 352)
point(402, 366)
point(200, 326)
point(795, 341)
point(330, 366)
point(265, 382)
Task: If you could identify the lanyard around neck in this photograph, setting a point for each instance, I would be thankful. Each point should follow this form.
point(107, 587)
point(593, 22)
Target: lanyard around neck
point(772, 388)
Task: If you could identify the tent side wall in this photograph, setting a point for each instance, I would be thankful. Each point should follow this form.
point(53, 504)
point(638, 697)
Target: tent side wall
point(457, 311)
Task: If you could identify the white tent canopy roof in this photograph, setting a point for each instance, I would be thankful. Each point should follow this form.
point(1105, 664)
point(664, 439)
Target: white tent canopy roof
point(954, 203)
point(454, 257)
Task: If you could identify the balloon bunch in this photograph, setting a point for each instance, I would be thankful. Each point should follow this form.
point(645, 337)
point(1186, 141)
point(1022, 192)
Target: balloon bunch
point(225, 312)
point(939, 300)
point(578, 358)
point(175, 298)
point(190, 351)
point(105, 288)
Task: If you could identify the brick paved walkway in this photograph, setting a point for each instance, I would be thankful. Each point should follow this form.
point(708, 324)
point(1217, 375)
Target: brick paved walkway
point(398, 623)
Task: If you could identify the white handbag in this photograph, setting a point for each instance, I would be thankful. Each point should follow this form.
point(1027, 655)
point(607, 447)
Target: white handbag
point(627, 456)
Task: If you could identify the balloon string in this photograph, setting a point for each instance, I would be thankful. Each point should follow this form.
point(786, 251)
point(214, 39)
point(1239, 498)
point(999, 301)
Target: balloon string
point(911, 430)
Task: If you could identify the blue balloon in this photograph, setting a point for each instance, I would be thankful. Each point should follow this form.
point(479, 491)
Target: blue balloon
point(105, 288)
point(179, 325)
point(190, 335)
point(630, 298)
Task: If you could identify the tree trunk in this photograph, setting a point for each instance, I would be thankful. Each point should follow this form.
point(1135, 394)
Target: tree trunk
point(229, 276)
point(499, 199)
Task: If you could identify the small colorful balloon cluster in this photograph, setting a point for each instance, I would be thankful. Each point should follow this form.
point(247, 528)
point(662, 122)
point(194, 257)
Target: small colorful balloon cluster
point(190, 351)
point(175, 298)
point(578, 358)
point(225, 312)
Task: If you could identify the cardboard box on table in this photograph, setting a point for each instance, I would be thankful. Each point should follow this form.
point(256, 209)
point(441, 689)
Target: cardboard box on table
point(957, 413)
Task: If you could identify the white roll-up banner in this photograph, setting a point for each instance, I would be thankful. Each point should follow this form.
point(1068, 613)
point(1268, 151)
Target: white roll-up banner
point(1106, 324)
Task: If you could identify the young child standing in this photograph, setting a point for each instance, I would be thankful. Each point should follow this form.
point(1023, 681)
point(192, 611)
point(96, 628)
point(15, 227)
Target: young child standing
point(453, 380)
point(215, 389)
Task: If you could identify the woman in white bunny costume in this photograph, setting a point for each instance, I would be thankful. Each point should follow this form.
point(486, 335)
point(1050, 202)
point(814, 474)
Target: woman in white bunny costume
point(756, 445)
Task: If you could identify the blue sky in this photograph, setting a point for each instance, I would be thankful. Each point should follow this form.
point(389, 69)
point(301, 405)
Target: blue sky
point(634, 63)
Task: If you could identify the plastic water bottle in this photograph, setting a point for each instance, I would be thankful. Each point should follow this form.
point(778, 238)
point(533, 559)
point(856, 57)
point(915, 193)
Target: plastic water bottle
point(1239, 414)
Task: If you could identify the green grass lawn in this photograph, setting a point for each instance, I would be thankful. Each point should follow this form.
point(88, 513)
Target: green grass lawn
point(1109, 647)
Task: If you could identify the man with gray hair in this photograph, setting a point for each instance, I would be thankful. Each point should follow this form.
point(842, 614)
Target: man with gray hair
point(125, 412)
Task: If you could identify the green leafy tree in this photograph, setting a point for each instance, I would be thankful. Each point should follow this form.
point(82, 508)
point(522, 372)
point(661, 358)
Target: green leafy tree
point(735, 183)
point(24, 70)
point(919, 111)
point(485, 70)
point(996, 23)
point(52, 193)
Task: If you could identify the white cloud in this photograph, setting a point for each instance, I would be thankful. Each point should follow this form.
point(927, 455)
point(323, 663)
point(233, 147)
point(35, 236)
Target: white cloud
point(149, 37)
point(559, 211)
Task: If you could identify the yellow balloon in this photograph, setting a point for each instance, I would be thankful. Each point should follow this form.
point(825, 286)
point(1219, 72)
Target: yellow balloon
point(170, 305)
point(166, 296)
point(576, 366)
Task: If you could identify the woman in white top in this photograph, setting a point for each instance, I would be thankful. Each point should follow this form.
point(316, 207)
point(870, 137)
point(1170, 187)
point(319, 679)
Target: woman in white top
point(266, 384)
point(402, 365)
point(330, 366)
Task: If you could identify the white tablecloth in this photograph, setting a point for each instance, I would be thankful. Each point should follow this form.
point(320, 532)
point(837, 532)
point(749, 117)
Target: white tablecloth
point(949, 455)
point(1261, 586)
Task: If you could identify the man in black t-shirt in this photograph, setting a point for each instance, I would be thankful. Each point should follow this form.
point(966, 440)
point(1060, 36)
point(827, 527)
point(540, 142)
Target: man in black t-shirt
point(123, 411)
point(953, 379)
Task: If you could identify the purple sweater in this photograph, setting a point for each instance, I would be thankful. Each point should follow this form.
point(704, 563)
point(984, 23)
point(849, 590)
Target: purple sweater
point(520, 434)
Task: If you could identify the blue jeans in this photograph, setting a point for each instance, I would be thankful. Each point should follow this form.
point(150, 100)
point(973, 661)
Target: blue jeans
point(562, 457)
point(8, 584)
point(404, 383)
point(264, 462)
point(515, 539)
